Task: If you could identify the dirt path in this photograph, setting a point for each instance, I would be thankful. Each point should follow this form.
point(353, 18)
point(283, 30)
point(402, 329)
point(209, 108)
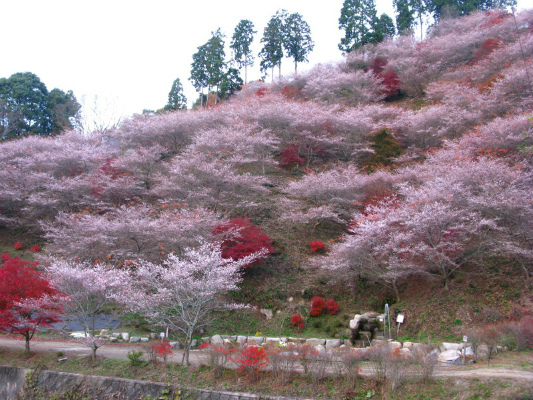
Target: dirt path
point(70, 349)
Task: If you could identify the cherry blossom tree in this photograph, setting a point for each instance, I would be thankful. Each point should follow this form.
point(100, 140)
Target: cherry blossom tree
point(368, 252)
point(27, 300)
point(90, 292)
point(184, 292)
point(128, 233)
point(199, 181)
point(239, 145)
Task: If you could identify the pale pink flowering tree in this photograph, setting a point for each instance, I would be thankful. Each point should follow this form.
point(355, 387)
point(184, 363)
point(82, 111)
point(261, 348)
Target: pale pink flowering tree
point(240, 145)
point(368, 252)
point(173, 131)
point(90, 292)
point(342, 190)
point(184, 292)
point(200, 181)
point(330, 84)
point(129, 233)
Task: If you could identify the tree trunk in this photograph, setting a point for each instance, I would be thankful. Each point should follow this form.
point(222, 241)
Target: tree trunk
point(27, 345)
point(396, 292)
point(421, 27)
point(295, 68)
point(245, 74)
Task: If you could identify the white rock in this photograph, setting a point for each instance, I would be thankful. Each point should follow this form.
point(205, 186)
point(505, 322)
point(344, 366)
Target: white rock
point(216, 340)
point(125, 336)
point(272, 340)
point(144, 339)
point(255, 340)
point(450, 346)
point(354, 323)
point(332, 343)
point(267, 313)
point(407, 345)
point(135, 339)
point(404, 352)
point(241, 340)
point(321, 349)
point(315, 342)
point(449, 356)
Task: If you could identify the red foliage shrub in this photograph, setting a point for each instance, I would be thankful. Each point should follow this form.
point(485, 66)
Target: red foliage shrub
point(251, 360)
point(387, 75)
point(496, 17)
point(318, 306)
point(5, 257)
point(391, 81)
point(35, 248)
point(517, 312)
point(261, 92)
point(243, 238)
point(317, 246)
point(17, 246)
point(216, 356)
point(486, 48)
point(296, 320)
point(290, 92)
point(162, 349)
point(331, 307)
point(378, 65)
point(289, 158)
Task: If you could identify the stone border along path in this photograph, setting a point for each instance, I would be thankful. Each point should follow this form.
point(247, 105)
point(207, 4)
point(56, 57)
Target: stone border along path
point(196, 358)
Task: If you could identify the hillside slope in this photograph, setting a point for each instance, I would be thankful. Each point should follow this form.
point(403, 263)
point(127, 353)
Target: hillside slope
point(409, 161)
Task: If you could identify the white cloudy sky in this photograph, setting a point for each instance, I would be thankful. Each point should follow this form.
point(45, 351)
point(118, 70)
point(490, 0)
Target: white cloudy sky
point(128, 52)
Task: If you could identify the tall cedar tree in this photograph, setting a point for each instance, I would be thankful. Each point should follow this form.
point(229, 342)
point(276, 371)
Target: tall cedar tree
point(405, 16)
point(242, 39)
point(272, 52)
point(357, 20)
point(297, 42)
point(176, 98)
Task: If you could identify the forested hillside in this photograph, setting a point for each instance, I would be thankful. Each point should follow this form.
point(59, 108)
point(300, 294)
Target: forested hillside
point(402, 172)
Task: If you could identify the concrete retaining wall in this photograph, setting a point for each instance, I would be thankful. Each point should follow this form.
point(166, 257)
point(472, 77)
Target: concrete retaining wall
point(12, 380)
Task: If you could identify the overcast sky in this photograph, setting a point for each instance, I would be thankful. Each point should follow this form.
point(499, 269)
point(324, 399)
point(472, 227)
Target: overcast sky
point(128, 52)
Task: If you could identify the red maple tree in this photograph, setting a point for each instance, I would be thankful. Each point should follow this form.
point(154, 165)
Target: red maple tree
point(242, 238)
point(26, 299)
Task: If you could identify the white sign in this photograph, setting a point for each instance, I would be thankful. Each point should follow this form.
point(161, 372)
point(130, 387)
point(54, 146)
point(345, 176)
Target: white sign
point(465, 339)
point(400, 318)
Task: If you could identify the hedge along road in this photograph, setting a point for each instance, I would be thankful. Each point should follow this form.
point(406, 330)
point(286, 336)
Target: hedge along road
point(197, 357)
